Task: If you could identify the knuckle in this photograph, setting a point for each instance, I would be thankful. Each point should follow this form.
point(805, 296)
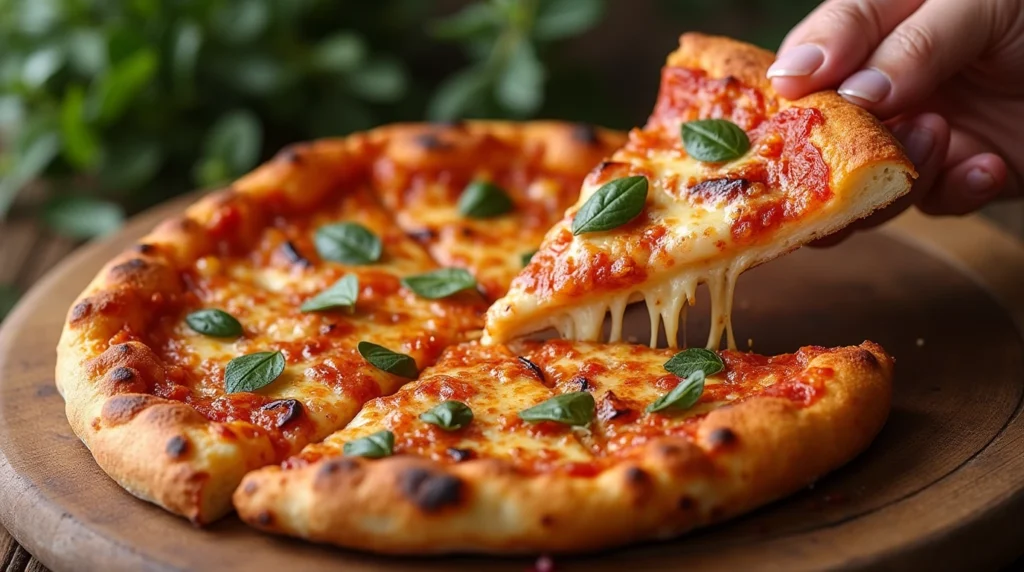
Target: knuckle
point(913, 42)
point(860, 15)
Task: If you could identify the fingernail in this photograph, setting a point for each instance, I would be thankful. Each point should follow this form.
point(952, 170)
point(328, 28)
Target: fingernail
point(980, 182)
point(869, 85)
point(919, 144)
point(799, 61)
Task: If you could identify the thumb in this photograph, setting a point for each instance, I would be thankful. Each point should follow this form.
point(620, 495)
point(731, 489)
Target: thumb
point(926, 49)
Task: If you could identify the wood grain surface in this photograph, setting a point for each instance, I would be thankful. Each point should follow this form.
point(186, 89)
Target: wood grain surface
point(943, 486)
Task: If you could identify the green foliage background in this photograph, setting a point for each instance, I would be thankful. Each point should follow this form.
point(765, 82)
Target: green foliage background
point(108, 106)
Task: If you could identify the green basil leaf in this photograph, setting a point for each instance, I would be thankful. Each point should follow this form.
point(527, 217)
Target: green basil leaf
point(576, 408)
point(714, 140)
point(348, 243)
point(384, 359)
point(614, 204)
point(684, 396)
point(253, 371)
point(373, 446)
point(342, 294)
point(214, 322)
point(483, 199)
point(526, 257)
point(440, 283)
point(448, 415)
point(684, 363)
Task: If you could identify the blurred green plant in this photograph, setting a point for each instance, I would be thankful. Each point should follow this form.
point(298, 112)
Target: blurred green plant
point(108, 106)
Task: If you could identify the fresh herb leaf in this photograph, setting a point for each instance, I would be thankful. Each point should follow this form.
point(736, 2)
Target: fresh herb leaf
point(526, 257)
point(714, 140)
point(342, 294)
point(614, 204)
point(253, 371)
point(684, 363)
point(448, 415)
point(576, 408)
point(683, 396)
point(483, 199)
point(215, 323)
point(440, 283)
point(348, 243)
point(373, 446)
point(384, 359)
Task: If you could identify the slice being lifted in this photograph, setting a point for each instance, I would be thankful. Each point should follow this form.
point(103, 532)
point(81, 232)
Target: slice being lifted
point(569, 446)
point(678, 206)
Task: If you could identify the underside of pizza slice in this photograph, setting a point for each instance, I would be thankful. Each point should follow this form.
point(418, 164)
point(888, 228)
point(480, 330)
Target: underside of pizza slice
point(564, 446)
point(750, 177)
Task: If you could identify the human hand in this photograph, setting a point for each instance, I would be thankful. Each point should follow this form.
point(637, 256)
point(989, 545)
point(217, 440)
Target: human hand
point(947, 76)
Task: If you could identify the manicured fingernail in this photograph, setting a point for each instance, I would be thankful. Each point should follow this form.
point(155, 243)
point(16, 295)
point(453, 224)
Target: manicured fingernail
point(869, 85)
point(919, 144)
point(799, 61)
point(980, 182)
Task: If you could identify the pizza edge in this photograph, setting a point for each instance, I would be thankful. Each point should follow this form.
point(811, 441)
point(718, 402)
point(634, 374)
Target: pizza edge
point(744, 456)
point(164, 451)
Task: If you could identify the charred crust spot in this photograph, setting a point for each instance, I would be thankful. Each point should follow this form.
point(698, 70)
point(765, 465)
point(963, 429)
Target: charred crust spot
point(722, 437)
point(122, 374)
point(637, 476)
point(81, 311)
point(466, 232)
point(668, 450)
point(264, 518)
point(585, 133)
point(686, 503)
point(123, 349)
point(128, 269)
point(250, 488)
point(290, 154)
point(611, 407)
point(292, 410)
point(579, 383)
point(121, 409)
point(176, 447)
point(547, 521)
point(719, 188)
point(866, 358)
point(342, 465)
point(430, 491)
point(459, 455)
point(423, 235)
point(143, 248)
point(431, 142)
point(293, 255)
point(534, 368)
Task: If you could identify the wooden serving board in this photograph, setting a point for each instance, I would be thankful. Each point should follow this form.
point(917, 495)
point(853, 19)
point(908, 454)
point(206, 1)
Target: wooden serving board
point(942, 486)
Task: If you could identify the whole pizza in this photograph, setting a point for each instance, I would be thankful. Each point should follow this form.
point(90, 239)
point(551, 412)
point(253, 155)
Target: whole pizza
point(338, 346)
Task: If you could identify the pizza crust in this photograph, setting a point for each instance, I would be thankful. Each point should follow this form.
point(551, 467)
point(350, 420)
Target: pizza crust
point(164, 451)
point(743, 456)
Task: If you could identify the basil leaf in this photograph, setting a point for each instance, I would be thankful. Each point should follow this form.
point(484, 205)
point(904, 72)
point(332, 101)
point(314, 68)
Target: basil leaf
point(714, 140)
point(384, 359)
point(576, 408)
point(684, 396)
point(373, 446)
point(440, 283)
point(613, 205)
point(342, 294)
point(448, 415)
point(684, 363)
point(214, 322)
point(253, 371)
point(483, 199)
point(348, 243)
point(526, 257)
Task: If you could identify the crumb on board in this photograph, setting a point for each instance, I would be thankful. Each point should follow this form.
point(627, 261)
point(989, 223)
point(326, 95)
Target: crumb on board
point(920, 342)
point(750, 343)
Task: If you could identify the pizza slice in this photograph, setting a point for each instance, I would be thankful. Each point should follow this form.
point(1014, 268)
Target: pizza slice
point(260, 321)
point(481, 195)
point(566, 446)
point(724, 176)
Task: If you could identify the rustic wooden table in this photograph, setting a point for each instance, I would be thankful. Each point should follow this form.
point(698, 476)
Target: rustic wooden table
point(27, 252)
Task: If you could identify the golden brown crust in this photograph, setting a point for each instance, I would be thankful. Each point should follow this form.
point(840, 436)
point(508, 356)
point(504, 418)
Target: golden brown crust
point(742, 456)
point(163, 450)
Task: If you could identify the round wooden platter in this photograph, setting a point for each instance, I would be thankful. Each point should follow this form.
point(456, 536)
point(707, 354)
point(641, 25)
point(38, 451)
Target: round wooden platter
point(943, 485)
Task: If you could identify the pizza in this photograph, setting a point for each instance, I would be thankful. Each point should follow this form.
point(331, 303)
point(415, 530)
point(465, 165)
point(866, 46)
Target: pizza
point(564, 446)
point(333, 345)
point(725, 175)
point(232, 336)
